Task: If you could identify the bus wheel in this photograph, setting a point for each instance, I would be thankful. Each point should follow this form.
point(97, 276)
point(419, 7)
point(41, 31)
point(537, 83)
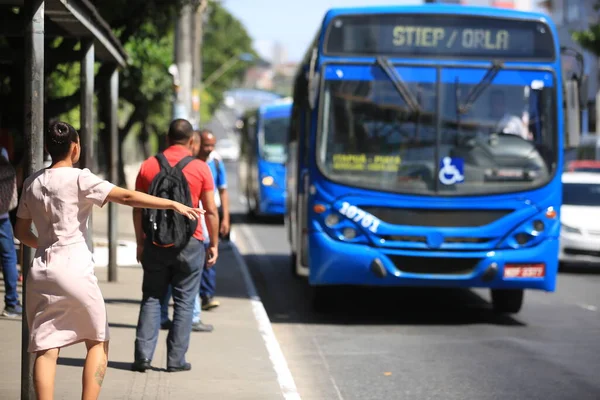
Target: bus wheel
point(251, 208)
point(293, 262)
point(507, 301)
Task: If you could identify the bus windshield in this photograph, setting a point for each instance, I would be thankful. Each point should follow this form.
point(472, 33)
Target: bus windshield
point(505, 141)
point(273, 139)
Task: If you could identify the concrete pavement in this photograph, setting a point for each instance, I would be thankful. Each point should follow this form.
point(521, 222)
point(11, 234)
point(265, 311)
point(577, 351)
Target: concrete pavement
point(236, 361)
point(229, 363)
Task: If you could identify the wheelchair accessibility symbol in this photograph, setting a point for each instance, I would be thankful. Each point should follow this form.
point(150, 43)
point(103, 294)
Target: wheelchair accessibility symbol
point(451, 171)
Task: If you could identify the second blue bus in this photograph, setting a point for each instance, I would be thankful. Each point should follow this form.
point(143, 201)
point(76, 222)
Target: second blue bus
point(262, 158)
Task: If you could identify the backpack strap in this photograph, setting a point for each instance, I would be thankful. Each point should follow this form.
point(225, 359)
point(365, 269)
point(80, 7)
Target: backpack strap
point(183, 163)
point(162, 162)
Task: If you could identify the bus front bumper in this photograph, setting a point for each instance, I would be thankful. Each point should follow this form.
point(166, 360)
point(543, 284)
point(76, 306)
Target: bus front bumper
point(333, 262)
point(272, 202)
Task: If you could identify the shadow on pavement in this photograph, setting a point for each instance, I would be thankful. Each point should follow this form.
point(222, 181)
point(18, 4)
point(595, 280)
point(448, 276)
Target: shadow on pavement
point(122, 301)
point(288, 299)
point(119, 325)
point(579, 269)
point(243, 218)
point(79, 362)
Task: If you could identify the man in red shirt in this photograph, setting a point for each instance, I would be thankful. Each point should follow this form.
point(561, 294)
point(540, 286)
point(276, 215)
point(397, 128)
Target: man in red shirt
point(183, 272)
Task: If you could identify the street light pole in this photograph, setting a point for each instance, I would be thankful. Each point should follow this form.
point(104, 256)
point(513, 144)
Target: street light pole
point(198, 30)
point(226, 66)
point(183, 62)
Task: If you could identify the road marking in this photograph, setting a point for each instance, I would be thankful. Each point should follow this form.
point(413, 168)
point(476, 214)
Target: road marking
point(284, 375)
point(588, 307)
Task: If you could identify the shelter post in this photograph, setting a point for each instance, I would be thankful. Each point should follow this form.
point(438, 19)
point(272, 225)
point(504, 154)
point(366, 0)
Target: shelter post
point(87, 117)
point(113, 169)
point(34, 153)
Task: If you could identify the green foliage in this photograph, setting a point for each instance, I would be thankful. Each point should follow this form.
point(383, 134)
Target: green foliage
point(590, 38)
point(224, 37)
point(207, 104)
point(145, 28)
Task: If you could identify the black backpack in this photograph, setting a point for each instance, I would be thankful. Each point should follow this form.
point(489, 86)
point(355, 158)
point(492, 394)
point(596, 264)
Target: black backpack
point(167, 229)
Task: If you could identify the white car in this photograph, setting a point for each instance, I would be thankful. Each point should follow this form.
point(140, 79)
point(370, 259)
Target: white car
point(580, 218)
point(228, 149)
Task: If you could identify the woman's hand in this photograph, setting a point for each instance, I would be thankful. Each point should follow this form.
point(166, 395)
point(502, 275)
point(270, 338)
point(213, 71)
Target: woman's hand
point(191, 213)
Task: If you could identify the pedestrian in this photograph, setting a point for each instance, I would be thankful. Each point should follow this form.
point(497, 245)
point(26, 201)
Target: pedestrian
point(8, 255)
point(208, 284)
point(64, 302)
point(173, 172)
point(197, 324)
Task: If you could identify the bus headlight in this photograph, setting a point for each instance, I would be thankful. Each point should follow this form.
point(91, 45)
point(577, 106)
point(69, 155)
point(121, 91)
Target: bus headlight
point(532, 231)
point(267, 180)
point(331, 220)
point(349, 233)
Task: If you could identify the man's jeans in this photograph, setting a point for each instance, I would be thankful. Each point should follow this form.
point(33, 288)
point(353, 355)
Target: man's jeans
point(8, 259)
point(164, 309)
point(183, 274)
point(208, 283)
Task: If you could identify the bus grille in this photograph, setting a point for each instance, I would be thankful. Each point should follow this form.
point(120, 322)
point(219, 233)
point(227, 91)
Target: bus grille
point(423, 239)
point(436, 218)
point(435, 265)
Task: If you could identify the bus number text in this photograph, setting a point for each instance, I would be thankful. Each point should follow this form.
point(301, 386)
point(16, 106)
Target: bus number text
point(359, 216)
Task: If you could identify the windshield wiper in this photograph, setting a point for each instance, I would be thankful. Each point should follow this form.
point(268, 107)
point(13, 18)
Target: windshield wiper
point(474, 94)
point(398, 83)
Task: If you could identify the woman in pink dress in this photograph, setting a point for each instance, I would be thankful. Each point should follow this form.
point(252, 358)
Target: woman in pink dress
point(64, 304)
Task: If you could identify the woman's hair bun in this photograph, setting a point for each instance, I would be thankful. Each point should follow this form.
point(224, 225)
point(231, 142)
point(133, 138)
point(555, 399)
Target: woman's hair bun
point(59, 133)
point(59, 137)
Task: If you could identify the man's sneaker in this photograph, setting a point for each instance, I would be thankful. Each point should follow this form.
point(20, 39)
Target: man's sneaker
point(15, 311)
point(200, 327)
point(208, 303)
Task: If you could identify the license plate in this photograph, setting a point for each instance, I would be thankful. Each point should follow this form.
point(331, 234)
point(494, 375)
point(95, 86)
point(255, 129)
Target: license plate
point(524, 270)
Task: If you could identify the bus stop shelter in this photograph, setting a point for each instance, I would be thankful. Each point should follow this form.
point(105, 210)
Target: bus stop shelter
point(34, 21)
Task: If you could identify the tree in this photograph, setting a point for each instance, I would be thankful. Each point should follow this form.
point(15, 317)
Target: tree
point(224, 37)
point(145, 28)
point(590, 38)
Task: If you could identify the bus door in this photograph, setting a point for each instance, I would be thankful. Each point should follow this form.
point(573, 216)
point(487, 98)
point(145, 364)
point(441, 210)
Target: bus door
point(253, 159)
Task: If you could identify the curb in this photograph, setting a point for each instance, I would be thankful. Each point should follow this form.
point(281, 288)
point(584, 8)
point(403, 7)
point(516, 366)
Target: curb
point(284, 376)
point(126, 253)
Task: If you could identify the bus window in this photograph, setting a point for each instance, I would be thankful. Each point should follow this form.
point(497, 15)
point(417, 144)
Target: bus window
point(274, 138)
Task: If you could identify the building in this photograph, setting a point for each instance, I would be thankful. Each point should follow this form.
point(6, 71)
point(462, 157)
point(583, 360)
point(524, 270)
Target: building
point(576, 15)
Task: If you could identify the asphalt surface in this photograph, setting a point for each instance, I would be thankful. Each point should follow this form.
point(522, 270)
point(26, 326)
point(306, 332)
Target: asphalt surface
point(424, 343)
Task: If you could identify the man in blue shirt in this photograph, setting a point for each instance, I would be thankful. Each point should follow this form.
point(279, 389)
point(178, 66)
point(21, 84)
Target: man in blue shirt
point(217, 167)
point(8, 257)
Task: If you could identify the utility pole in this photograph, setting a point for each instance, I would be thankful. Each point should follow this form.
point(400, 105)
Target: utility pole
point(183, 61)
point(199, 14)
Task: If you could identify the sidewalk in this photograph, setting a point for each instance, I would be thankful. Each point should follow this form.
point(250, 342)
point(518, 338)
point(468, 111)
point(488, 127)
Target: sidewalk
point(229, 363)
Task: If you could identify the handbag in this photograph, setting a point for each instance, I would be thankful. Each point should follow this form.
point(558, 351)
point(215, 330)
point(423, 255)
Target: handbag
point(9, 198)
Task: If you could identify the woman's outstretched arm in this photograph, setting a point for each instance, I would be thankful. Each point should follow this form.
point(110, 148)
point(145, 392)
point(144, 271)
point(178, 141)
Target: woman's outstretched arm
point(24, 234)
point(137, 199)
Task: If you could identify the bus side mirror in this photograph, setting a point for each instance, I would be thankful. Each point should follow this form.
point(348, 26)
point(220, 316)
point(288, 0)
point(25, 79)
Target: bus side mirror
point(583, 92)
point(572, 114)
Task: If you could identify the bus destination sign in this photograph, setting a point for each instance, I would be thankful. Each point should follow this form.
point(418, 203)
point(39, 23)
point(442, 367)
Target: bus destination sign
point(439, 36)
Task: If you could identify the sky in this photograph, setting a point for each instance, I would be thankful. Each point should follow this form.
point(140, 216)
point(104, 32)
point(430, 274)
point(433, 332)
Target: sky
point(293, 23)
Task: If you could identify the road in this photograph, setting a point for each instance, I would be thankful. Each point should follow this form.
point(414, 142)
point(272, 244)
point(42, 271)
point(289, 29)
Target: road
point(421, 344)
point(425, 344)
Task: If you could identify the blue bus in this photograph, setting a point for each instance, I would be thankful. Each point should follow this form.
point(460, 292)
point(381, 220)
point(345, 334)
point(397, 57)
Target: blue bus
point(426, 149)
point(263, 153)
